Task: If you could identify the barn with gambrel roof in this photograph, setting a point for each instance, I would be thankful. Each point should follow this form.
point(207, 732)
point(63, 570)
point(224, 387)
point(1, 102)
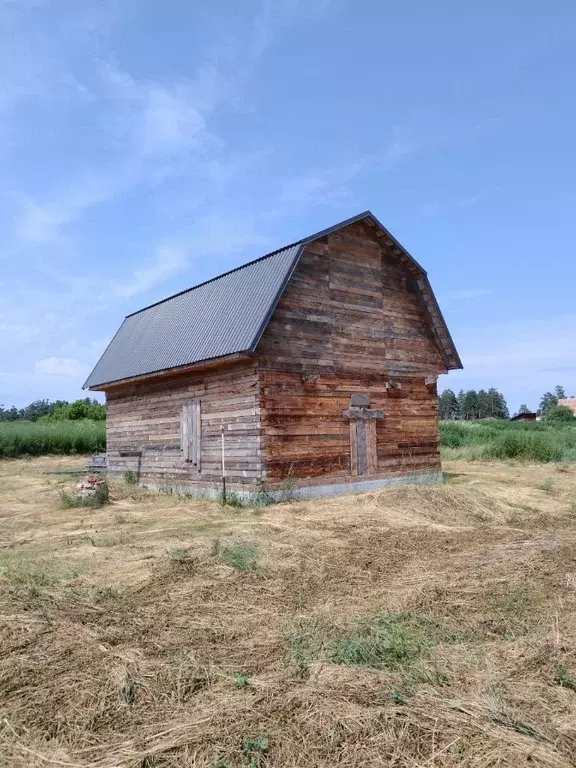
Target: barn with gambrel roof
point(315, 363)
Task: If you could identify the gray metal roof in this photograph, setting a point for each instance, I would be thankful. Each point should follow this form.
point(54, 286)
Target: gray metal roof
point(228, 315)
point(218, 318)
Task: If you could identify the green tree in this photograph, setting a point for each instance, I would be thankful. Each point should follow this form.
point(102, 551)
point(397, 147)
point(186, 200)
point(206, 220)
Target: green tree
point(9, 414)
point(469, 407)
point(484, 409)
point(448, 405)
point(460, 400)
point(39, 408)
point(560, 414)
point(524, 409)
point(498, 404)
point(80, 409)
point(550, 399)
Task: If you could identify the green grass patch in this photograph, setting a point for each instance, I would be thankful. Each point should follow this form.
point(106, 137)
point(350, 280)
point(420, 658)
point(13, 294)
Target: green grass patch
point(26, 438)
point(242, 557)
point(564, 677)
point(389, 640)
point(241, 680)
point(21, 572)
point(180, 555)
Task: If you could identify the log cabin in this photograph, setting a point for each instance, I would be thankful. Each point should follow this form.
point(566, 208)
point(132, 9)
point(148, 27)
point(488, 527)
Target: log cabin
point(315, 365)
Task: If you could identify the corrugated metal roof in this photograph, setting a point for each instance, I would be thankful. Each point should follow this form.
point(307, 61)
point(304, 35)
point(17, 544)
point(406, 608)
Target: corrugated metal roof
point(221, 317)
point(228, 315)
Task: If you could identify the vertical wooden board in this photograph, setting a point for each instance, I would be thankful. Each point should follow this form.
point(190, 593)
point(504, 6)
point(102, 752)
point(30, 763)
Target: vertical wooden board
point(361, 446)
point(371, 450)
point(192, 431)
point(185, 432)
point(198, 433)
point(354, 447)
point(156, 417)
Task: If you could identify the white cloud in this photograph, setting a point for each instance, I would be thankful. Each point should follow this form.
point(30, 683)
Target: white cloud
point(209, 239)
point(64, 367)
point(156, 118)
point(168, 261)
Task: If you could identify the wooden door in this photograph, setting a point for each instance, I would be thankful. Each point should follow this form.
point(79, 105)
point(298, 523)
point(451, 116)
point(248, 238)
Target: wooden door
point(364, 457)
point(191, 432)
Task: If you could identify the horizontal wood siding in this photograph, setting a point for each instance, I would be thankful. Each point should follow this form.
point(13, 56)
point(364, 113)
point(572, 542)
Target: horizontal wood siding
point(146, 417)
point(351, 320)
point(305, 435)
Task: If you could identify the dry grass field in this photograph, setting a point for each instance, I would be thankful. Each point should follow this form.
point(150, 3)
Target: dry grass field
point(421, 626)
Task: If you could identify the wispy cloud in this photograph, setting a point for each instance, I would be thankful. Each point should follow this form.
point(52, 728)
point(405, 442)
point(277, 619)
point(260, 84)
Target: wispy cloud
point(528, 358)
point(153, 122)
point(163, 118)
point(208, 240)
point(520, 349)
point(64, 367)
point(170, 259)
point(466, 294)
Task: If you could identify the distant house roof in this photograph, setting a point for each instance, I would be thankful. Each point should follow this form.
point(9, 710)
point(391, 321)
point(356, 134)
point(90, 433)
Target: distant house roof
point(569, 402)
point(228, 315)
point(525, 417)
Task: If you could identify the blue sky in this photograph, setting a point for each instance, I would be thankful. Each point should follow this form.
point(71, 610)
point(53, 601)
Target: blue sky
point(145, 147)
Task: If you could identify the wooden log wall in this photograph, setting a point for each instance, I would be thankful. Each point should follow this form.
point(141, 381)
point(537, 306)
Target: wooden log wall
point(304, 434)
point(351, 320)
point(146, 417)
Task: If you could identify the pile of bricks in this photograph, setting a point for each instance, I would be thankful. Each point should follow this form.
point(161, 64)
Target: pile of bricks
point(89, 486)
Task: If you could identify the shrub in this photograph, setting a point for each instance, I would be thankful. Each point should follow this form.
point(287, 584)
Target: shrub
point(130, 478)
point(100, 498)
point(561, 414)
point(525, 447)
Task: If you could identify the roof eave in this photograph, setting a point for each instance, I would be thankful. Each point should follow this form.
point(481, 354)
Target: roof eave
point(212, 362)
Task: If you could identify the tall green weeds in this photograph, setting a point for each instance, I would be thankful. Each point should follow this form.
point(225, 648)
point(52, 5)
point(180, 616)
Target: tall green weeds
point(501, 440)
point(26, 438)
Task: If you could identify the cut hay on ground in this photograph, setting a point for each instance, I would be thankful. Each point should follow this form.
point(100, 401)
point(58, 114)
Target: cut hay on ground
point(417, 626)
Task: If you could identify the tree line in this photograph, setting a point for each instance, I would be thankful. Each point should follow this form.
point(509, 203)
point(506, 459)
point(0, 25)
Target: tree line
point(484, 404)
point(490, 404)
point(56, 410)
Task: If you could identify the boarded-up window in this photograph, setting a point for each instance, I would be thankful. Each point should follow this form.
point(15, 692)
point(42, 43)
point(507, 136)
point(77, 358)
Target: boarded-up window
point(191, 431)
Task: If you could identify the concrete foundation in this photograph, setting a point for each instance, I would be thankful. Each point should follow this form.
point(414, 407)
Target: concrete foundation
point(304, 491)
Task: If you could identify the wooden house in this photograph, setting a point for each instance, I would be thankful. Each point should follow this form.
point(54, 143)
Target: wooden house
point(525, 417)
point(316, 363)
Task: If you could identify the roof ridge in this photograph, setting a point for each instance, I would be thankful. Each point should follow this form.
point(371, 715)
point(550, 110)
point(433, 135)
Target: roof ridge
point(307, 239)
point(217, 277)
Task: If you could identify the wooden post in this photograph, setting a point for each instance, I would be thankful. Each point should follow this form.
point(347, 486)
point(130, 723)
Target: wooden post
point(223, 468)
